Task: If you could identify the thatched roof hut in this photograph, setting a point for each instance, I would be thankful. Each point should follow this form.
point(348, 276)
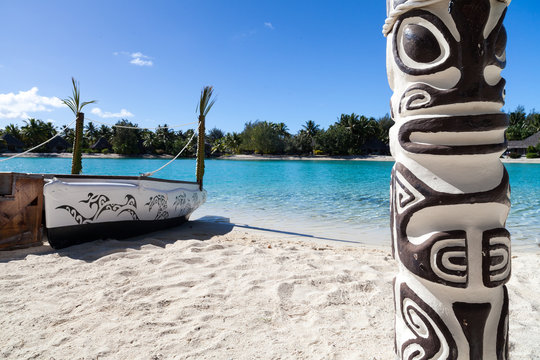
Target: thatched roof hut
point(58, 145)
point(520, 146)
point(375, 147)
point(12, 144)
point(101, 144)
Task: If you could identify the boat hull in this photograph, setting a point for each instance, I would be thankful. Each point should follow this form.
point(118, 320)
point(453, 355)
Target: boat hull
point(85, 208)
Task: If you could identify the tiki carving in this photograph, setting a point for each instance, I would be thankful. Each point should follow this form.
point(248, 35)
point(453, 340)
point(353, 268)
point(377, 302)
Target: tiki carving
point(450, 194)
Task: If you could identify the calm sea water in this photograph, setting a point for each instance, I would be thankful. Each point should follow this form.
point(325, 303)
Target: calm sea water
point(336, 200)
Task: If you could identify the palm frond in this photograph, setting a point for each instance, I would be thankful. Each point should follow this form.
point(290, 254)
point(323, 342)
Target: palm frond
point(76, 91)
point(86, 103)
point(206, 102)
point(74, 102)
point(71, 104)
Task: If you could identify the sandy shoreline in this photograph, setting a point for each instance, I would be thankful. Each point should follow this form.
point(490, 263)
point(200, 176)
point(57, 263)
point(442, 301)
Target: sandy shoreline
point(246, 157)
point(210, 290)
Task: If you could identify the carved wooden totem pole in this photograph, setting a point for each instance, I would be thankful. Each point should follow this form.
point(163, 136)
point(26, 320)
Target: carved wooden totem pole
point(450, 194)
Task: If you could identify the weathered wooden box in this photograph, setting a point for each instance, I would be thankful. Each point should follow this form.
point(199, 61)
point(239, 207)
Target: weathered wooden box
point(21, 208)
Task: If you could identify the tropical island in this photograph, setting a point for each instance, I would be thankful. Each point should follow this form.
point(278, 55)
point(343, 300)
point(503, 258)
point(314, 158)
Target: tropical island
point(350, 135)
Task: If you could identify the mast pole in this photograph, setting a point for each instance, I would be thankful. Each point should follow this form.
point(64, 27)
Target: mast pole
point(76, 164)
point(200, 152)
point(205, 104)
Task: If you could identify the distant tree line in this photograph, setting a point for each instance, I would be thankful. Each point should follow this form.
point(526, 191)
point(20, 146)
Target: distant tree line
point(351, 134)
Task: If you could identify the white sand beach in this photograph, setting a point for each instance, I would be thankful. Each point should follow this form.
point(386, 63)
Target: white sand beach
point(209, 290)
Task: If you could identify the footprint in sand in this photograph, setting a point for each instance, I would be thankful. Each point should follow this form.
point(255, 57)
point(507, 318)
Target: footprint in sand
point(285, 291)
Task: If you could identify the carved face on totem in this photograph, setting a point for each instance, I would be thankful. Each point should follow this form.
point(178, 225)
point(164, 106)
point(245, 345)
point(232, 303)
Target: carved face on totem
point(445, 60)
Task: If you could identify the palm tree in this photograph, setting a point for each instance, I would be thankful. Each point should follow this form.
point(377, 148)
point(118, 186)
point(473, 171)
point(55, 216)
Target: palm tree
point(13, 130)
point(36, 131)
point(164, 139)
point(69, 134)
point(233, 142)
point(105, 131)
point(91, 133)
point(205, 104)
point(74, 103)
point(311, 128)
point(281, 128)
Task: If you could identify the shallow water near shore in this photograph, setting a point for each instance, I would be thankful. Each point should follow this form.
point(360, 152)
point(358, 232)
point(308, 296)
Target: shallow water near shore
point(345, 201)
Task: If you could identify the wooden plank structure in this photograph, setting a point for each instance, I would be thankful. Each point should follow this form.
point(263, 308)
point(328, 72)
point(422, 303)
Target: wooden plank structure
point(21, 209)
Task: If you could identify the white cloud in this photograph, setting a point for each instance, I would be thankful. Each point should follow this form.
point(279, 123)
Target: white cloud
point(18, 106)
point(269, 25)
point(122, 114)
point(141, 62)
point(139, 55)
point(137, 58)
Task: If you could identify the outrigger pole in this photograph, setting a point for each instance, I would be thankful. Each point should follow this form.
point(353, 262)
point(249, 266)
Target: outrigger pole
point(205, 104)
point(74, 103)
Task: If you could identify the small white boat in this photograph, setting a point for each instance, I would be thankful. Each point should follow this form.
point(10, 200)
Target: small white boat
point(82, 208)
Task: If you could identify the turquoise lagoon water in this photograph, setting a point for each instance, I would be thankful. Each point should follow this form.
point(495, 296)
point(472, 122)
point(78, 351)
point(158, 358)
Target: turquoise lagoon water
point(334, 200)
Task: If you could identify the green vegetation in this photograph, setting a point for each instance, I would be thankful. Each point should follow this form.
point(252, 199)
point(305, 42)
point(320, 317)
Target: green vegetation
point(532, 152)
point(522, 125)
point(350, 134)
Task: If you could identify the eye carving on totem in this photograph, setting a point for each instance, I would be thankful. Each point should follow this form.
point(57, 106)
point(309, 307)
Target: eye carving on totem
point(419, 46)
point(470, 42)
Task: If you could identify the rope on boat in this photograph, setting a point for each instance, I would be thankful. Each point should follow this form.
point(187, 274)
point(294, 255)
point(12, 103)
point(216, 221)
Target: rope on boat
point(38, 146)
point(170, 161)
point(142, 128)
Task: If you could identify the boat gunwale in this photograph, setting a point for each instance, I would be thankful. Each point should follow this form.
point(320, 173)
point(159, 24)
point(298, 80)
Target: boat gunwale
point(88, 176)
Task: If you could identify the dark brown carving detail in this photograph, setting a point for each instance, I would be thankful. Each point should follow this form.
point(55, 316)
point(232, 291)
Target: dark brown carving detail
point(421, 35)
point(472, 318)
point(426, 259)
point(420, 44)
point(404, 201)
point(471, 55)
point(496, 257)
point(461, 124)
point(423, 321)
point(502, 329)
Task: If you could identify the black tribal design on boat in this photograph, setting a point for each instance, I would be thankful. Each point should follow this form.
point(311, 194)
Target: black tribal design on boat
point(180, 200)
point(101, 203)
point(161, 202)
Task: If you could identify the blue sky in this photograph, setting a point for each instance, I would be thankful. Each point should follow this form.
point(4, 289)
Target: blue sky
point(275, 60)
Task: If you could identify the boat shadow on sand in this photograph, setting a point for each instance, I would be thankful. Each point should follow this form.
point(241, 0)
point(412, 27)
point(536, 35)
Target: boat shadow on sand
point(202, 229)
